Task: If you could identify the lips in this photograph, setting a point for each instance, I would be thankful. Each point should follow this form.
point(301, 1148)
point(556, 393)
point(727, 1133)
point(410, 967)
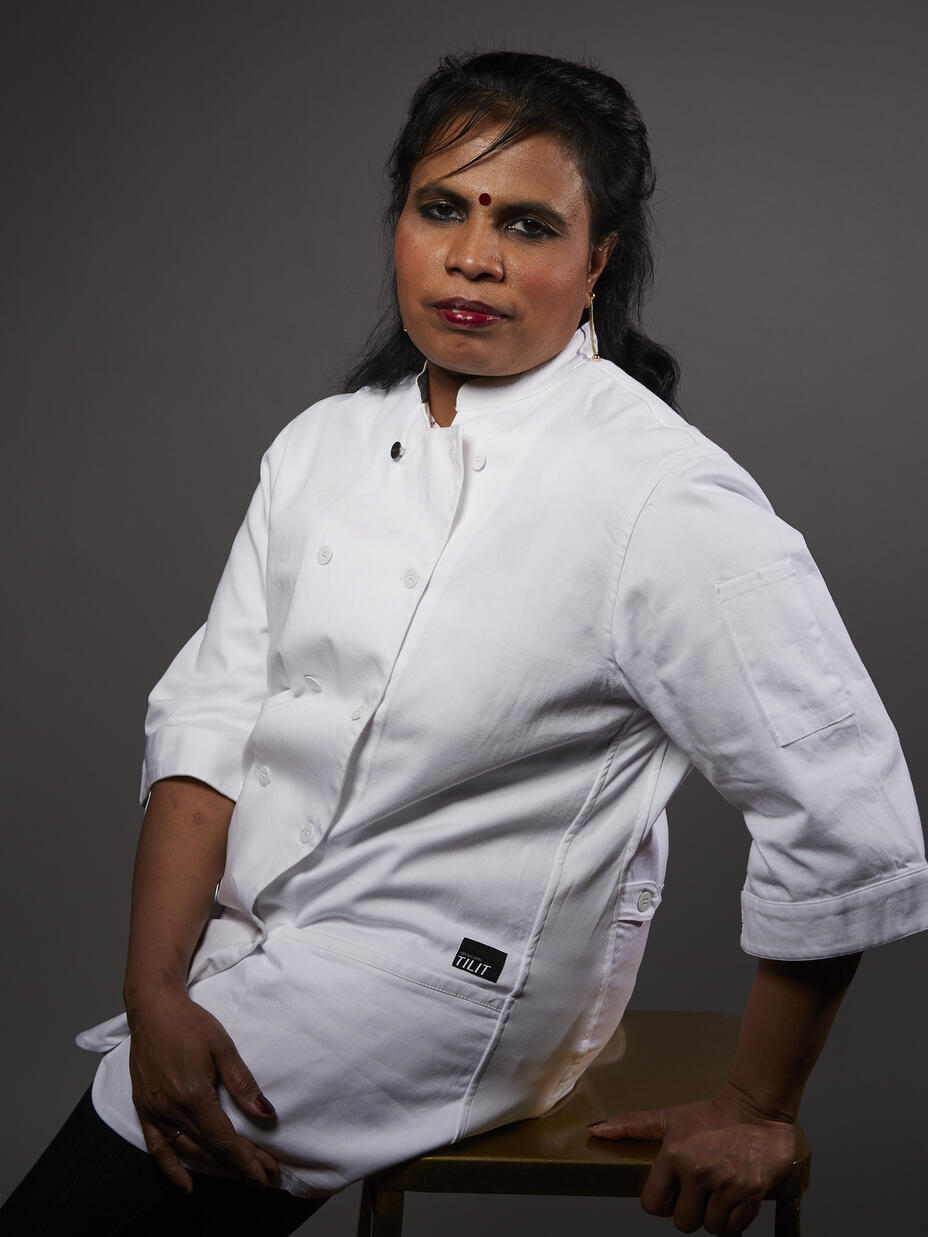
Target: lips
point(468, 314)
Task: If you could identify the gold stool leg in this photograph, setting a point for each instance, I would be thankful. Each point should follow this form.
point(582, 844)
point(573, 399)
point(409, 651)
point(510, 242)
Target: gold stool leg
point(366, 1213)
point(381, 1211)
point(786, 1217)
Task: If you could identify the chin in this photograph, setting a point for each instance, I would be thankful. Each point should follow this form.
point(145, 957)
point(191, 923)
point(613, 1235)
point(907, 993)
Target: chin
point(472, 357)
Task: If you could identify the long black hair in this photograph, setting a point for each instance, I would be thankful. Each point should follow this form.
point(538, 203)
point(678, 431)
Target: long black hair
point(595, 117)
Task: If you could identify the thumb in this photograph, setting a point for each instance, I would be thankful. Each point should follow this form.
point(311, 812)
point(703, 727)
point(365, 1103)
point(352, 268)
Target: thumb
point(643, 1123)
point(239, 1081)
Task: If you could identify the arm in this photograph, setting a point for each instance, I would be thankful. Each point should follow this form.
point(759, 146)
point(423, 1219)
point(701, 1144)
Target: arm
point(179, 1051)
point(721, 1156)
point(725, 632)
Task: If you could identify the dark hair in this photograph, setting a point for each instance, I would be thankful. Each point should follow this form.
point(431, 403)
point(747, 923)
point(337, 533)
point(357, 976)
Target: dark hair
point(600, 125)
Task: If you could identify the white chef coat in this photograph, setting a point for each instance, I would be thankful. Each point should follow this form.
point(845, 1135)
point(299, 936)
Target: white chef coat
point(452, 677)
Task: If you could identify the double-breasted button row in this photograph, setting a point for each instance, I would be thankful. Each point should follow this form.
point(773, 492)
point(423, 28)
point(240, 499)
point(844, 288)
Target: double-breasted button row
point(324, 556)
point(315, 685)
point(308, 831)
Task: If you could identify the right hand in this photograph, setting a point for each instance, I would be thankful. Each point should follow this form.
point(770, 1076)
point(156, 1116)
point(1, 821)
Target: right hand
point(718, 1159)
point(178, 1055)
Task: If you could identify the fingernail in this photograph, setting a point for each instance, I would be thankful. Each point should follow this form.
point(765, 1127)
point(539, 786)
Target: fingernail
point(594, 1124)
point(265, 1105)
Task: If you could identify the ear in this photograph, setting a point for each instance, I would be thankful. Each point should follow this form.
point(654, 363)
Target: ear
point(599, 256)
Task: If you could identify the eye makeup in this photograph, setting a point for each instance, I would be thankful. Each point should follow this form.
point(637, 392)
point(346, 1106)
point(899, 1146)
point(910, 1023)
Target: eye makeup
point(541, 211)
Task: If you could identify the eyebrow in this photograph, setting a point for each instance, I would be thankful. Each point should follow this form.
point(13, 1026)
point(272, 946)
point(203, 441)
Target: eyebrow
point(437, 188)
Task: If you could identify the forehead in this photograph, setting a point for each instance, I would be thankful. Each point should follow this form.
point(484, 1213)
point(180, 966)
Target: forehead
point(538, 166)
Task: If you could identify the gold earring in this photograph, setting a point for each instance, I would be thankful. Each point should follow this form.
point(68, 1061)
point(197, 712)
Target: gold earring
point(596, 356)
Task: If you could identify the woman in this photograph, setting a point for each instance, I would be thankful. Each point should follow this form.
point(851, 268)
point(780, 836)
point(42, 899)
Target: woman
point(484, 613)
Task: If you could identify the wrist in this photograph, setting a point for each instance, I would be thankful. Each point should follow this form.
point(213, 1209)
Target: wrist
point(156, 984)
point(754, 1106)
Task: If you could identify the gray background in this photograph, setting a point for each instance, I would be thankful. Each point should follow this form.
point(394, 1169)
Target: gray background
point(194, 253)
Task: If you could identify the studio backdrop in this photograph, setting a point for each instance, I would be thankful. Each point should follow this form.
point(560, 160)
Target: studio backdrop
point(194, 254)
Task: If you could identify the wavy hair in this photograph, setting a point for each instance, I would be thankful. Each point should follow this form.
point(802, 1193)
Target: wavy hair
point(600, 125)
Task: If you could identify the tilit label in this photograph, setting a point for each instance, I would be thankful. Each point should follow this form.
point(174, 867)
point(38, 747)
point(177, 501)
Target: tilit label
point(478, 959)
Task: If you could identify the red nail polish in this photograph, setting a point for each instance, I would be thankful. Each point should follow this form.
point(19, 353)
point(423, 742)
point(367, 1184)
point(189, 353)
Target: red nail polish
point(265, 1105)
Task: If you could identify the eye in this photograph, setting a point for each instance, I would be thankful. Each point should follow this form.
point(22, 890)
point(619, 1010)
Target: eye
point(530, 228)
point(443, 211)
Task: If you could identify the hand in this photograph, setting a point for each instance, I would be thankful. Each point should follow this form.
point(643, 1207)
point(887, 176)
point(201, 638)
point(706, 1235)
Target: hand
point(719, 1159)
point(179, 1052)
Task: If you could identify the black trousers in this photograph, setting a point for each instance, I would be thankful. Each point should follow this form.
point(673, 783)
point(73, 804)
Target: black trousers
point(90, 1182)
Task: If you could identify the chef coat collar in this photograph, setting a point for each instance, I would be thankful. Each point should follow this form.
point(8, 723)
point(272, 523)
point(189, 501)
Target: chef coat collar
point(422, 382)
point(482, 394)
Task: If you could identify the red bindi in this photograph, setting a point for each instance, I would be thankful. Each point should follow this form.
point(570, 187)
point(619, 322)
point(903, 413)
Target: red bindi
point(484, 199)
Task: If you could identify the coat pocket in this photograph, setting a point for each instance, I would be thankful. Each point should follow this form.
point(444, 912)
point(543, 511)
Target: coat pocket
point(410, 970)
point(783, 651)
point(367, 1063)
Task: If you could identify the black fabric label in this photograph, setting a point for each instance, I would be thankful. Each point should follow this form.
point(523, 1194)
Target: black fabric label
point(481, 960)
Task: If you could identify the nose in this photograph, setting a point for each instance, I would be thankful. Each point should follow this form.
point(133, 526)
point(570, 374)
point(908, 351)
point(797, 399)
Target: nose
point(473, 251)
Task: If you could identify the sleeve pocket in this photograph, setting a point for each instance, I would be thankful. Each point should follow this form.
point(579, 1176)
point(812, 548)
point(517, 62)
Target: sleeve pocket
point(783, 651)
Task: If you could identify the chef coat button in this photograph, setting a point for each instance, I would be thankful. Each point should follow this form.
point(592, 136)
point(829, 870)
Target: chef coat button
point(325, 555)
point(644, 900)
point(397, 451)
point(358, 713)
point(308, 833)
point(411, 577)
point(264, 775)
point(313, 683)
point(480, 461)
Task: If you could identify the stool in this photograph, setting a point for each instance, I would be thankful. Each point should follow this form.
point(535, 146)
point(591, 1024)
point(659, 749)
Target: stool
point(656, 1058)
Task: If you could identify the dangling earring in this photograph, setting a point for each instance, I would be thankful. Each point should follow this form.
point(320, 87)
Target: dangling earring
point(596, 355)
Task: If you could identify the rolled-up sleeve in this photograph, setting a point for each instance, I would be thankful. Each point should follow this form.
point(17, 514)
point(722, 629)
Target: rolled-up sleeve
point(725, 632)
point(202, 711)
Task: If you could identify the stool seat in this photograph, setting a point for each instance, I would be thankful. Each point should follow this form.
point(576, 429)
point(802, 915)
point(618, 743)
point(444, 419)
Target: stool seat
point(656, 1058)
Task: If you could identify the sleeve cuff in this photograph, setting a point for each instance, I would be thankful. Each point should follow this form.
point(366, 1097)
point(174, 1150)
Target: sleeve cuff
point(187, 751)
point(829, 927)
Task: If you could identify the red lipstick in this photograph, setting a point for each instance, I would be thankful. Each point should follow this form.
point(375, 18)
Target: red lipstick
point(461, 313)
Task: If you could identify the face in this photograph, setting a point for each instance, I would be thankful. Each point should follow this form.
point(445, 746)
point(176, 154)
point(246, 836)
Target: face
point(494, 264)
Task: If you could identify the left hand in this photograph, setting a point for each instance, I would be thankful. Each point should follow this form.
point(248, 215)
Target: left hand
point(719, 1159)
